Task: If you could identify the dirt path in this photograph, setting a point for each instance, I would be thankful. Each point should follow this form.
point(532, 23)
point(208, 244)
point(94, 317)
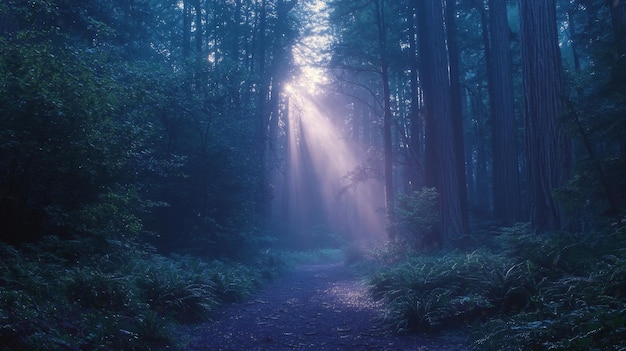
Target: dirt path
point(316, 307)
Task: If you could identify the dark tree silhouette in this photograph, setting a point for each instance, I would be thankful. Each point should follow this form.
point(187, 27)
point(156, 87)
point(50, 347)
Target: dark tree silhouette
point(547, 149)
point(441, 158)
point(381, 25)
point(506, 188)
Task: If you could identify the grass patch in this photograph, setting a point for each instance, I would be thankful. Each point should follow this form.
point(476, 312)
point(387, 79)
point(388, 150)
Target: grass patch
point(557, 291)
point(88, 295)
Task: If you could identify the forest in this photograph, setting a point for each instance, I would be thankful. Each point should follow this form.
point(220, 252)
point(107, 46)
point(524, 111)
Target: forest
point(163, 159)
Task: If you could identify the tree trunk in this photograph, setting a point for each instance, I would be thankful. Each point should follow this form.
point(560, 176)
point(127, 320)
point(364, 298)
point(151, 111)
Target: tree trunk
point(506, 188)
point(483, 193)
point(483, 198)
point(441, 164)
point(457, 112)
point(387, 142)
point(199, 28)
point(547, 148)
point(415, 170)
point(186, 29)
point(618, 21)
point(262, 113)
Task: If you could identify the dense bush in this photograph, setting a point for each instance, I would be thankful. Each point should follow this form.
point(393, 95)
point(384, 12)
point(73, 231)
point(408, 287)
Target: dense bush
point(556, 291)
point(416, 216)
point(431, 293)
point(98, 294)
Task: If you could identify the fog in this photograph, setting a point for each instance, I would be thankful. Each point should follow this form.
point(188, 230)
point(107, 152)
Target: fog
point(313, 188)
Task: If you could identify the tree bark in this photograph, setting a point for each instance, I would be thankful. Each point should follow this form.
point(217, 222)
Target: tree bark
point(457, 111)
point(506, 188)
point(387, 140)
point(199, 28)
point(483, 200)
point(186, 29)
point(415, 154)
point(618, 22)
point(441, 169)
point(547, 149)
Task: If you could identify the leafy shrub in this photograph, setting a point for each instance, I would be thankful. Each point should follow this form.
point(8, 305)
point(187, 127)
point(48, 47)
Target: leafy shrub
point(233, 282)
point(417, 214)
point(96, 294)
point(509, 286)
point(172, 291)
point(151, 330)
point(577, 300)
point(429, 293)
point(553, 292)
point(97, 290)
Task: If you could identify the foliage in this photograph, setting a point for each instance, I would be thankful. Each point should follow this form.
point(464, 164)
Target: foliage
point(100, 294)
point(579, 303)
point(115, 136)
point(115, 132)
point(557, 291)
point(429, 293)
point(417, 214)
point(107, 129)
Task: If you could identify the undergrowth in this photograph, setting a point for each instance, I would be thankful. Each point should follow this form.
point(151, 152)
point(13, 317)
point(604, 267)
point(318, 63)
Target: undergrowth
point(104, 295)
point(524, 291)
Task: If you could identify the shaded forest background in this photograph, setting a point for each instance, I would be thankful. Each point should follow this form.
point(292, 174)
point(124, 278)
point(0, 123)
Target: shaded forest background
point(151, 127)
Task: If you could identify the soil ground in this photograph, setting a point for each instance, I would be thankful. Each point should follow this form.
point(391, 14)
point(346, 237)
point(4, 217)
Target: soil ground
point(316, 307)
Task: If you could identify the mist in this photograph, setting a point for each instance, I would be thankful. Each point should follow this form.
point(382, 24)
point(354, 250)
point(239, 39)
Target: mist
point(311, 174)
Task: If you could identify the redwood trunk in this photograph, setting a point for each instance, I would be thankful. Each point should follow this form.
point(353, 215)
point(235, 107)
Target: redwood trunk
point(457, 111)
point(506, 188)
point(387, 142)
point(441, 159)
point(547, 151)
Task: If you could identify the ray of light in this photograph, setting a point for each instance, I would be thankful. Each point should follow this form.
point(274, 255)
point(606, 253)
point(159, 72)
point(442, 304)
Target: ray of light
point(319, 158)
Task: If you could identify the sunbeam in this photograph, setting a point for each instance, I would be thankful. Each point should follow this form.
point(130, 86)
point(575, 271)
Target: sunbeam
point(319, 159)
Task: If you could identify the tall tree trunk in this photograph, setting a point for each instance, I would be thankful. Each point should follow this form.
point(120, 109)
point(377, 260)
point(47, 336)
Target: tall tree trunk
point(199, 28)
point(547, 148)
point(279, 68)
point(506, 188)
point(235, 32)
point(186, 29)
point(618, 21)
point(263, 91)
point(457, 111)
point(387, 142)
point(483, 195)
point(415, 171)
point(441, 169)
point(262, 113)
point(483, 198)
point(273, 58)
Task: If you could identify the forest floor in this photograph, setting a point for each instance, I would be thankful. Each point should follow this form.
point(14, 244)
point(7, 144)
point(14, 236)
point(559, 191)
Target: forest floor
point(315, 307)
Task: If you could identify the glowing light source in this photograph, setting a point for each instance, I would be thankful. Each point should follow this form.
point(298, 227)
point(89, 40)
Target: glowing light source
point(289, 89)
point(312, 191)
point(313, 50)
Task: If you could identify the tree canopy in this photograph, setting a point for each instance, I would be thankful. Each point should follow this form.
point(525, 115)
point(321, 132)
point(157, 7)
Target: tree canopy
point(166, 121)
